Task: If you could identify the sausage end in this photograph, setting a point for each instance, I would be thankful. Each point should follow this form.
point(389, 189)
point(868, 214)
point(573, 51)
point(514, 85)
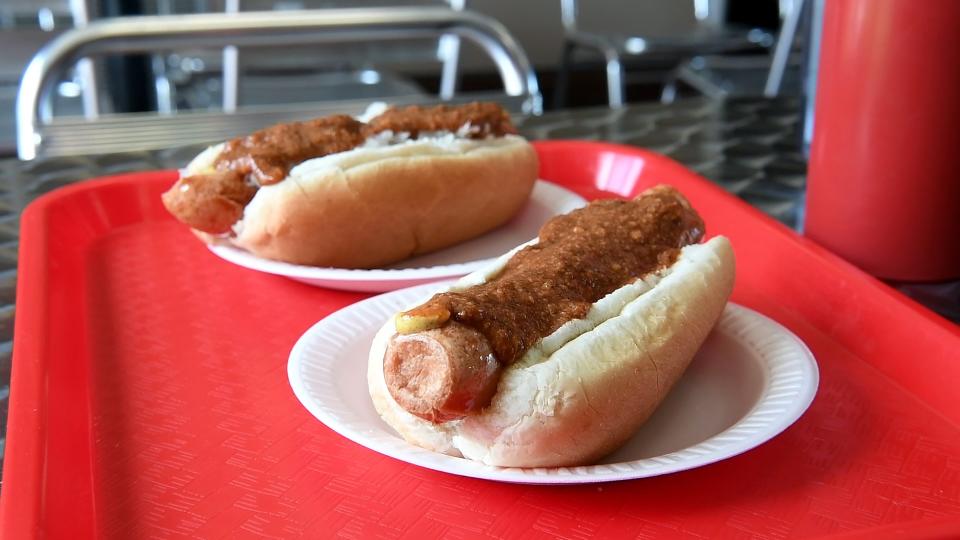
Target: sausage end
point(441, 374)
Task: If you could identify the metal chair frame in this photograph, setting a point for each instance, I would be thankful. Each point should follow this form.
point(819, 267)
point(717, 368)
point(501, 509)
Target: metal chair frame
point(145, 34)
point(709, 14)
point(796, 22)
point(83, 11)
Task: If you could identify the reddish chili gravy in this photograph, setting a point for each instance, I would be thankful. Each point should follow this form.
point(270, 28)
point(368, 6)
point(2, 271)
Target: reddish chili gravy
point(269, 154)
point(580, 257)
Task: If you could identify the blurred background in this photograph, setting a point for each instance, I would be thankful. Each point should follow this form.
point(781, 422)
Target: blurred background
point(584, 54)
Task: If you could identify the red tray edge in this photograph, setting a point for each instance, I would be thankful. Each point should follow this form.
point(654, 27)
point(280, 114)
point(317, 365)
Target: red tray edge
point(19, 464)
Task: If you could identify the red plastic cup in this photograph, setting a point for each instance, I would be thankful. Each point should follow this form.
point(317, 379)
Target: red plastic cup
point(884, 174)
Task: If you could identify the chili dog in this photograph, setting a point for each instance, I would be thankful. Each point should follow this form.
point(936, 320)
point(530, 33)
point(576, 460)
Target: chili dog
point(341, 192)
point(559, 351)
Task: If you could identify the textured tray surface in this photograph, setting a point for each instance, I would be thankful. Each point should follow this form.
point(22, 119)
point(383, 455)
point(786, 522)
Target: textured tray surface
point(151, 398)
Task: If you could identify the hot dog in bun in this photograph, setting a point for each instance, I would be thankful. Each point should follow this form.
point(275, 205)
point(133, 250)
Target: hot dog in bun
point(337, 191)
point(559, 351)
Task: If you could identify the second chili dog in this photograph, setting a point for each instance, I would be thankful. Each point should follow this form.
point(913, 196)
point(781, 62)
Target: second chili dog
point(266, 157)
point(346, 192)
point(449, 352)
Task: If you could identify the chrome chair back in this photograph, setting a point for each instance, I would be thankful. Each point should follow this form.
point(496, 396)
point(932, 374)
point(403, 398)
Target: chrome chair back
point(142, 131)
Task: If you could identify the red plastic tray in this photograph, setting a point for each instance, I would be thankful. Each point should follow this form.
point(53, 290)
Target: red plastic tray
point(150, 395)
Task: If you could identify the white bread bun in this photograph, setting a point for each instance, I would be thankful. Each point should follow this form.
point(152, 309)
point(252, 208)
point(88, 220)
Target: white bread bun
point(378, 204)
point(582, 391)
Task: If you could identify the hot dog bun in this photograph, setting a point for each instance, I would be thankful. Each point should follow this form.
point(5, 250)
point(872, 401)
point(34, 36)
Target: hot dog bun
point(582, 391)
point(372, 206)
point(359, 192)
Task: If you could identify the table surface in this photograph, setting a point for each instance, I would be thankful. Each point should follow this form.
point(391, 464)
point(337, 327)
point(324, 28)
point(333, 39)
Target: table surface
point(750, 147)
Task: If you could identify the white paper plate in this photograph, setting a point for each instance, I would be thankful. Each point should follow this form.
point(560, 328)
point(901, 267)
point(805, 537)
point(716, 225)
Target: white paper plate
point(546, 201)
point(750, 381)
